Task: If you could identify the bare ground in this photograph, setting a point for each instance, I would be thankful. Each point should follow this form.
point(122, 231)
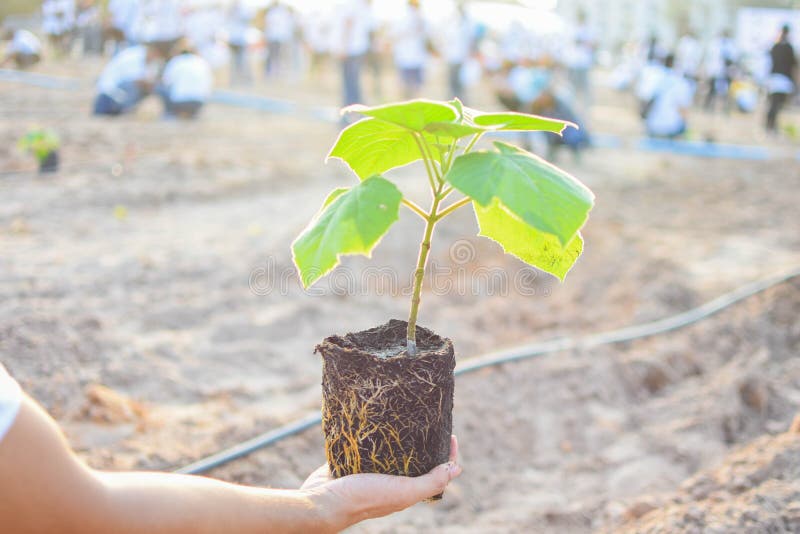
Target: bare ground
point(133, 306)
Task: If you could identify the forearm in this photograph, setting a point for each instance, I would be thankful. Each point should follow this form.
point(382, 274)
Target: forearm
point(162, 503)
point(44, 488)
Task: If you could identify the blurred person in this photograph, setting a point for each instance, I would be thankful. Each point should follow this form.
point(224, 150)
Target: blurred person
point(127, 79)
point(58, 23)
point(527, 87)
point(186, 84)
point(24, 49)
point(89, 24)
point(375, 59)
point(720, 61)
point(460, 40)
point(782, 77)
point(688, 56)
point(201, 27)
point(45, 487)
point(161, 24)
point(317, 31)
point(668, 99)
point(279, 30)
point(517, 43)
point(579, 62)
point(654, 53)
point(410, 48)
point(239, 17)
point(350, 43)
point(123, 15)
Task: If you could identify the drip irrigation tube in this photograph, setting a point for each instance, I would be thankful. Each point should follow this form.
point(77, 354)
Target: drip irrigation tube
point(524, 352)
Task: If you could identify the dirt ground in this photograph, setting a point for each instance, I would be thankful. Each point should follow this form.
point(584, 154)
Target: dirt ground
point(145, 301)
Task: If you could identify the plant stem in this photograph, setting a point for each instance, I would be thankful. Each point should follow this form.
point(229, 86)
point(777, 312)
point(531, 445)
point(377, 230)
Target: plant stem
point(419, 275)
point(472, 143)
point(416, 209)
point(453, 207)
point(427, 163)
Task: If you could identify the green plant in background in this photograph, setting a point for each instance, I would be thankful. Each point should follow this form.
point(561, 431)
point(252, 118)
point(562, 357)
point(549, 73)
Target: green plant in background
point(533, 209)
point(40, 142)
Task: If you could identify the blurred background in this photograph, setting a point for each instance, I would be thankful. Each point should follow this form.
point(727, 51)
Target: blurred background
point(157, 158)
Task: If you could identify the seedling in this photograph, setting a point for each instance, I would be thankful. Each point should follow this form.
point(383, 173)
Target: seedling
point(533, 209)
point(43, 144)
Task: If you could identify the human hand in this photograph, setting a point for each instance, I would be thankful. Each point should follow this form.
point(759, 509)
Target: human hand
point(348, 500)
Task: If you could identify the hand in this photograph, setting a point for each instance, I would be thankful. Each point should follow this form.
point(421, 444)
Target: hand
point(351, 499)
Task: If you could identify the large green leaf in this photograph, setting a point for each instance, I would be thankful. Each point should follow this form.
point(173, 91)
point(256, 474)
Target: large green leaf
point(526, 243)
point(371, 146)
point(542, 195)
point(518, 122)
point(413, 114)
point(453, 130)
point(350, 222)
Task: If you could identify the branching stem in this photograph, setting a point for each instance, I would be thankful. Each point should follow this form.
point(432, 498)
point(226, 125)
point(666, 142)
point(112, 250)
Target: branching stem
point(453, 207)
point(416, 209)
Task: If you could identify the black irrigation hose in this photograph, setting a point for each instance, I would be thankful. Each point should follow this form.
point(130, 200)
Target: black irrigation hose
point(516, 354)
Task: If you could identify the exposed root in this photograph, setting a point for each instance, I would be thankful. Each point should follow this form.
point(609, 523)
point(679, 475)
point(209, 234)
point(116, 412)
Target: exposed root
point(386, 415)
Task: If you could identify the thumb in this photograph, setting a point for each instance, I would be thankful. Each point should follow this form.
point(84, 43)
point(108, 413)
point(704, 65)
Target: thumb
point(436, 480)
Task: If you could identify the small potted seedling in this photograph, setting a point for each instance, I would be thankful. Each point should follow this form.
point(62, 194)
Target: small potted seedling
point(43, 144)
point(388, 391)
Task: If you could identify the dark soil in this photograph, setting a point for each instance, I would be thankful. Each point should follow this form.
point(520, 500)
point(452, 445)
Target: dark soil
point(382, 411)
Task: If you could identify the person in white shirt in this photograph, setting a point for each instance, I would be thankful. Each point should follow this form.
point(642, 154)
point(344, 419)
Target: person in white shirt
point(350, 42)
point(669, 98)
point(720, 61)
point(126, 80)
point(24, 49)
point(89, 25)
point(124, 15)
point(579, 62)
point(238, 26)
point(58, 23)
point(279, 28)
point(410, 48)
point(186, 84)
point(160, 24)
point(458, 46)
point(44, 487)
point(688, 56)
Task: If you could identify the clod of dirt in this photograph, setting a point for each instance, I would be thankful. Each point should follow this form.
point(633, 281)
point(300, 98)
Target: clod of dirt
point(385, 412)
point(104, 405)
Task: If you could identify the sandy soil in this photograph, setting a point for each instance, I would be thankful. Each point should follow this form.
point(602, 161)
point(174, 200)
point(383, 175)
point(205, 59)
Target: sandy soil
point(133, 306)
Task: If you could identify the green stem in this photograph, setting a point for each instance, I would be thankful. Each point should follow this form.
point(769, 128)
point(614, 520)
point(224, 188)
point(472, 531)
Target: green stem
point(419, 275)
point(427, 163)
point(472, 143)
point(453, 207)
point(416, 209)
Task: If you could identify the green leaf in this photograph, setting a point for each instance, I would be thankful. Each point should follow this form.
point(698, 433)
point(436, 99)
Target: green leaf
point(413, 115)
point(371, 146)
point(517, 238)
point(351, 221)
point(519, 122)
point(542, 195)
point(453, 130)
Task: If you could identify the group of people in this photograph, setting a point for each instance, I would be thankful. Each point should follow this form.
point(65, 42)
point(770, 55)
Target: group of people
point(670, 83)
point(182, 78)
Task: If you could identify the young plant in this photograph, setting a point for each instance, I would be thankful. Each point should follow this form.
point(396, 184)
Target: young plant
point(40, 142)
point(43, 144)
point(533, 209)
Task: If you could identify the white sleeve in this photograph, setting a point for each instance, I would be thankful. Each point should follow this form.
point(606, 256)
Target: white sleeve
point(10, 401)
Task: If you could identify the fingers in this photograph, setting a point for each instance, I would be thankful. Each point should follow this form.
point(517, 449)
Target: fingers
point(453, 448)
point(437, 480)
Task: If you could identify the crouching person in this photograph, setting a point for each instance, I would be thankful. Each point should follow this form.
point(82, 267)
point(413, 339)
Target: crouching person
point(126, 80)
point(185, 85)
point(24, 49)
